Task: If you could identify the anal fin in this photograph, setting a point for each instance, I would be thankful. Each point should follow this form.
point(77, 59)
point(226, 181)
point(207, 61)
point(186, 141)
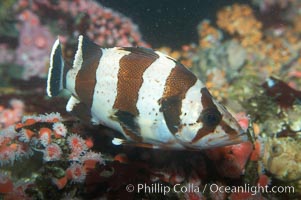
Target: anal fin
point(119, 141)
point(79, 109)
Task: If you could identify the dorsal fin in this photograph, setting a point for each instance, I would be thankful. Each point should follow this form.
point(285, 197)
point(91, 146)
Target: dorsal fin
point(86, 61)
point(142, 51)
point(87, 53)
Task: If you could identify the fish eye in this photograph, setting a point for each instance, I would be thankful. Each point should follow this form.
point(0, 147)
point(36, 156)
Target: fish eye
point(211, 117)
point(276, 150)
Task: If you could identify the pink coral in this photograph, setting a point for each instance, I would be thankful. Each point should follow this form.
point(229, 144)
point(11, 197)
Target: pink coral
point(103, 25)
point(59, 129)
point(24, 140)
point(35, 43)
point(76, 173)
point(6, 55)
point(12, 114)
point(45, 136)
point(52, 152)
point(90, 159)
point(48, 117)
point(26, 135)
point(10, 148)
point(107, 27)
point(76, 144)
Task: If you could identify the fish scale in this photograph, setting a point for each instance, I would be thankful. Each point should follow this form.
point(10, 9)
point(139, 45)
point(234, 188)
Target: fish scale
point(151, 98)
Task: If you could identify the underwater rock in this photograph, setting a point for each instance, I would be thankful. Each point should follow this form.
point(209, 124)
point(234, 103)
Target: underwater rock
point(228, 57)
point(282, 158)
point(230, 160)
point(294, 118)
point(209, 36)
point(236, 55)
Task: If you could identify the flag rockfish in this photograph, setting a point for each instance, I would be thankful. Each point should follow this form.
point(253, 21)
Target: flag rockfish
point(152, 99)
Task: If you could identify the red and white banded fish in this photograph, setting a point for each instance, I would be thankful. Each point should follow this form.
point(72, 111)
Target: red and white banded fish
point(152, 99)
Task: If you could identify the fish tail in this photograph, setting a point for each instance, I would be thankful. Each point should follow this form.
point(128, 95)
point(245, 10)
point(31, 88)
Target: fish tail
point(56, 73)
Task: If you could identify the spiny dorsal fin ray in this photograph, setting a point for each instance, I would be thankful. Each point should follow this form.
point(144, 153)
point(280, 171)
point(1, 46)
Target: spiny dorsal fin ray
point(87, 53)
point(86, 59)
point(141, 51)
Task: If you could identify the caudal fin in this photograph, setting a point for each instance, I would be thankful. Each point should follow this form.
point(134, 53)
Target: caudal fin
point(55, 81)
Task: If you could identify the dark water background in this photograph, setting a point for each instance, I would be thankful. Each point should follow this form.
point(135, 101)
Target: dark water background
point(166, 22)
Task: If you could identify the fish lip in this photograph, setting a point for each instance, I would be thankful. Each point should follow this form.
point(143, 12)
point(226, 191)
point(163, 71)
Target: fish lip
point(228, 141)
point(243, 136)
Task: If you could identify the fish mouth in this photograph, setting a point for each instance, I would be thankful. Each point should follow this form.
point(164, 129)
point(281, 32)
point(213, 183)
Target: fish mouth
point(243, 136)
point(227, 140)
